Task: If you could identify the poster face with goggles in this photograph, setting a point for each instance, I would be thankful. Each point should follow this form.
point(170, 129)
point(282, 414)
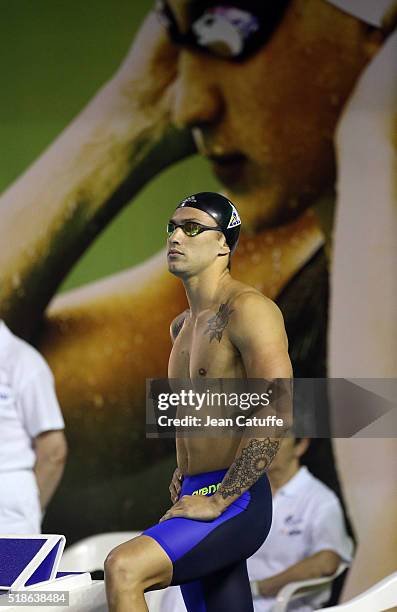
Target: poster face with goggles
point(277, 105)
point(228, 30)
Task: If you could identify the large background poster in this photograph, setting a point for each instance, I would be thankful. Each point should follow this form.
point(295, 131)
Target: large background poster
point(103, 131)
point(54, 58)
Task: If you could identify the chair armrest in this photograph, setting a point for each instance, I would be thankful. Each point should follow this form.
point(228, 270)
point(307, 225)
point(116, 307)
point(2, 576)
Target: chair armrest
point(381, 596)
point(300, 588)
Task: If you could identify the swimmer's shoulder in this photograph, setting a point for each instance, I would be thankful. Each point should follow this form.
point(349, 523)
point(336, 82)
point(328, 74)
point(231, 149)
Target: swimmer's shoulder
point(177, 324)
point(244, 300)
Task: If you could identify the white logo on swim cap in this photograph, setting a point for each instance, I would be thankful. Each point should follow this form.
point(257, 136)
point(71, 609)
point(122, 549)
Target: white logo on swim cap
point(234, 219)
point(191, 198)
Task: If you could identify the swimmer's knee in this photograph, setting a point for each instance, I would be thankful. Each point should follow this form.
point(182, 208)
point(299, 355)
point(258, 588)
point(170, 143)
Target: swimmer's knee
point(122, 566)
point(134, 565)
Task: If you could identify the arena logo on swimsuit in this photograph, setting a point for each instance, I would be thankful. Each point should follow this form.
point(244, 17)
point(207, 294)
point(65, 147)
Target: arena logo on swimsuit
point(207, 490)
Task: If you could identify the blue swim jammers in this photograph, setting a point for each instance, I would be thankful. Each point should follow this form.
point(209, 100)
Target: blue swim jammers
point(209, 557)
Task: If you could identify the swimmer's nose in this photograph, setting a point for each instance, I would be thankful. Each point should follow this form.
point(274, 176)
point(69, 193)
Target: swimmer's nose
point(176, 236)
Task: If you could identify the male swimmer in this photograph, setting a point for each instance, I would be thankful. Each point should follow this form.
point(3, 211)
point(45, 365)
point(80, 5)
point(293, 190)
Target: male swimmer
point(222, 505)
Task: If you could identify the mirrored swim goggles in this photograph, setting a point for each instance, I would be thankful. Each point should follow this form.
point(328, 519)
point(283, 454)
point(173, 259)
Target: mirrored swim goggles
point(231, 30)
point(190, 228)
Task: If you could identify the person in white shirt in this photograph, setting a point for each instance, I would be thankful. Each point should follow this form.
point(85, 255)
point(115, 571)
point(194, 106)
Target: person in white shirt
point(307, 539)
point(33, 446)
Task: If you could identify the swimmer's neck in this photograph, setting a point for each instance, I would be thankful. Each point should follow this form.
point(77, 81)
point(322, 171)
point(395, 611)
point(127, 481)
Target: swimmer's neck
point(204, 290)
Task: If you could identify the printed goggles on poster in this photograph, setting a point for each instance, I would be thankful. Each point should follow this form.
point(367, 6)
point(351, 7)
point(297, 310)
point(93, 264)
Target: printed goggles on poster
point(190, 228)
point(231, 30)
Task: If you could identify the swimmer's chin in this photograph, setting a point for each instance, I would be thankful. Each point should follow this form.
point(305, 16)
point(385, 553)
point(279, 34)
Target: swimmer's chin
point(176, 270)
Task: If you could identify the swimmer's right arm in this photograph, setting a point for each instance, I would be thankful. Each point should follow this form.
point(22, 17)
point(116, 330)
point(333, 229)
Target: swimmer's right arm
point(57, 207)
point(176, 485)
point(177, 477)
point(177, 325)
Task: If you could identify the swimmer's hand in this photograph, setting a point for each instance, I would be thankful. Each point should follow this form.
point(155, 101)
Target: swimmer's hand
point(196, 507)
point(176, 485)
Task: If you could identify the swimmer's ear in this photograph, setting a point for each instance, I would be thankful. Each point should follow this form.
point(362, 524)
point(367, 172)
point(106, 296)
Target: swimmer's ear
point(224, 247)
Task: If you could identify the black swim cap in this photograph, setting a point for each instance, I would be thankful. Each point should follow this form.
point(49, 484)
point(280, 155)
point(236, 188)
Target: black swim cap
point(221, 210)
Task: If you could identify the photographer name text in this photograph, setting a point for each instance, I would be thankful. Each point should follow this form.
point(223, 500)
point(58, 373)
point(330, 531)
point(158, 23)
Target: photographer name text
point(239, 421)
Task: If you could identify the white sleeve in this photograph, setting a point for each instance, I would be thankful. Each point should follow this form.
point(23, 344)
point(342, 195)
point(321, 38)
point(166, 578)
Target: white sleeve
point(329, 531)
point(38, 403)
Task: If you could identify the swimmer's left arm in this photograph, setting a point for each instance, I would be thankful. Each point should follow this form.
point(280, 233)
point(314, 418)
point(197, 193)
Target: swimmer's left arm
point(256, 328)
point(257, 331)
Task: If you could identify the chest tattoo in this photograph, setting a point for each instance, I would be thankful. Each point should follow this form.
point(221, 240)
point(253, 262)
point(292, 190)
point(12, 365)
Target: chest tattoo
point(217, 323)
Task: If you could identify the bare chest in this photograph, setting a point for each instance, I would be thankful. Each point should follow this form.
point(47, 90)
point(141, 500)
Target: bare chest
point(203, 349)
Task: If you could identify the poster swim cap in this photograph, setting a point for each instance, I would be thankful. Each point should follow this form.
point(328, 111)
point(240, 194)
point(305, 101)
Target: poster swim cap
point(221, 210)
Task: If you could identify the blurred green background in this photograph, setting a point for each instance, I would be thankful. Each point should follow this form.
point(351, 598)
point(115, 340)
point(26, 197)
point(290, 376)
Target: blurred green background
point(54, 56)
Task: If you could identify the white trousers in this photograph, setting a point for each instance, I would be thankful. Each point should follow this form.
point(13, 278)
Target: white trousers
point(20, 511)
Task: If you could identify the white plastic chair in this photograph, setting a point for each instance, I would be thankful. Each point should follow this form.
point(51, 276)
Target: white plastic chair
point(90, 553)
point(381, 596)
point(301, 588)
point(291, 591)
